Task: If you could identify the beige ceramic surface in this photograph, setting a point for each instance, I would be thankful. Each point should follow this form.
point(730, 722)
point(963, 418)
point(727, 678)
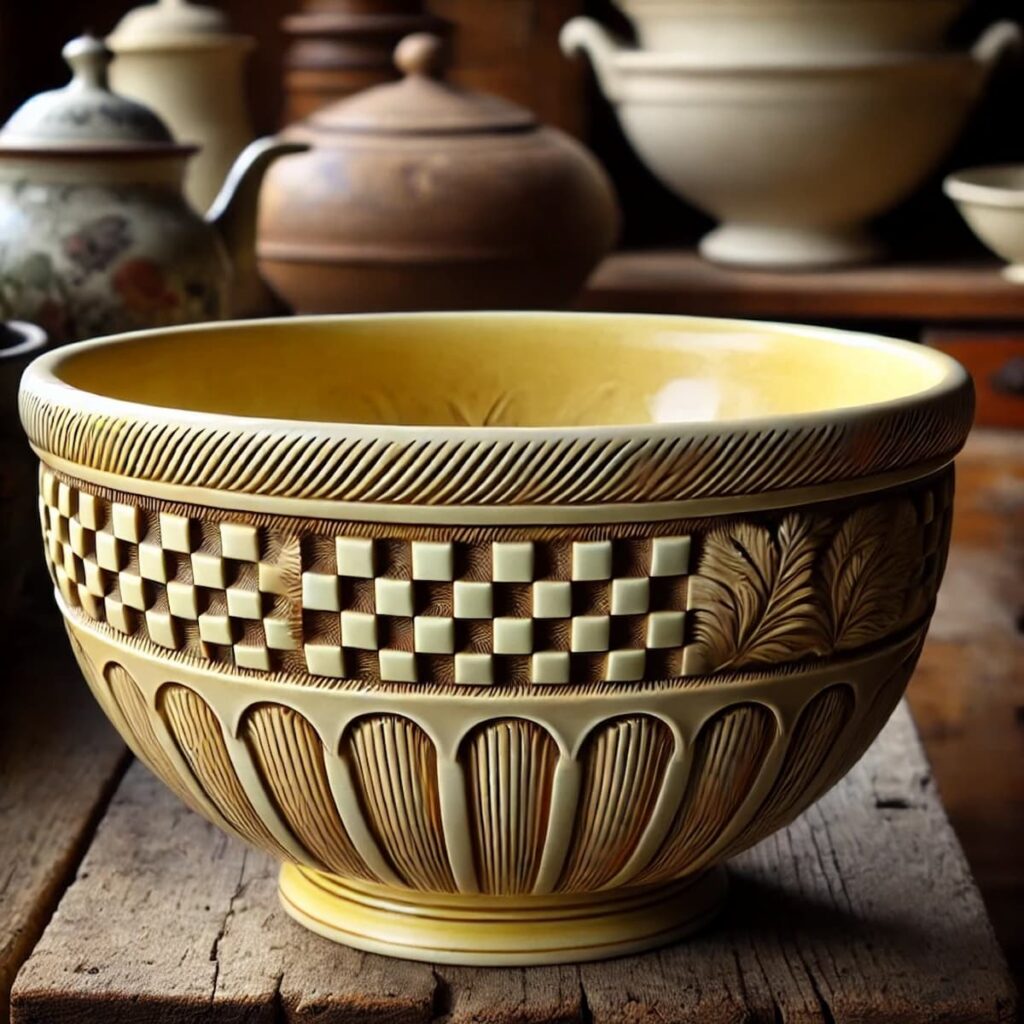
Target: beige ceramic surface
point(182, 60)
point(779, 30)
point(503, 632)
point(95, 234)
point(793, 158)
point(991, 200)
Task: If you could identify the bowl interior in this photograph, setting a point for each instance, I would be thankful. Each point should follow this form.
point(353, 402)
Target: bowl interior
point(504, 370)
point(1000, 185)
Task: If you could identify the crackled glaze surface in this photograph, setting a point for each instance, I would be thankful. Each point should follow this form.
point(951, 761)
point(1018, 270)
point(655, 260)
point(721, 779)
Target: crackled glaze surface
point(497, 731)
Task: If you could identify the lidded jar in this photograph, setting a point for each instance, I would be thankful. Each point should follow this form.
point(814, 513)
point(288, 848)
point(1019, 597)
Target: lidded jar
point(421, 195)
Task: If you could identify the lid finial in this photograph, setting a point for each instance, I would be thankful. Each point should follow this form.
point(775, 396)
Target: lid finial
point(422, 53)
point(89, 60)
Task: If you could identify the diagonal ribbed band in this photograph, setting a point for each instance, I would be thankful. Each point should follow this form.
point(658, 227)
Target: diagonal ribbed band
point(494, 466)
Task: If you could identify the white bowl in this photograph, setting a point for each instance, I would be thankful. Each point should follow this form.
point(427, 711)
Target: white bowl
point(794, 159)
point(991, 200)
point(784, 29)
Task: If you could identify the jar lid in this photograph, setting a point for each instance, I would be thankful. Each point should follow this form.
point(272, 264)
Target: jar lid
point(84, 114)
point(170, 23)
point(422, 102)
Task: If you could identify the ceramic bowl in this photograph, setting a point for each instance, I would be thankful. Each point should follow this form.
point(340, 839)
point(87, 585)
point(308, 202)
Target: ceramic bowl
point(733, 30)
point(793, 158)
point(503, 632)
point(991, 200)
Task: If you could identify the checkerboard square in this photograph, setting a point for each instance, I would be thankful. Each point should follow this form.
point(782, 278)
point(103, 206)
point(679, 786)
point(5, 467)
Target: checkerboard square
point(239, 541)
point(244, 604)
point(182, 600)
point(161, 629)
point(433, 560)
point(355, 557)
point(89, 511)
point(208, 570)
point(549, 667)
point(117, 615)
point(96, 581)
point(474, 669)
point(89, 603)
point(631, 596)
point(670, 556)
point(359, 629)
point(434, 634)
point(397, 666)
point(592, 560)
point(321, 592)
point(49, 487)
point(590, 633)
point(71, 564)
point(252, 656)
point(79, 538)
point(134, 591)
point(58, 523)
point(152, 562)
point(65, 499)
point(665, 629)
point(279, 634)
point(271, 579)
point(175, 533)
point(68, 588)
point(625, 666)
point(393, 597)
point(109, 552)
point(513, 636)
point(126, 522)
point(552, 599)
point(512, 561)
point(215, 629)
point(325, 660)
point(473, 600)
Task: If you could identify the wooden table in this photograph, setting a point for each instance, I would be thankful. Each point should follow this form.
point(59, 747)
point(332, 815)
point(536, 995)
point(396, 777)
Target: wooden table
point(864, 909)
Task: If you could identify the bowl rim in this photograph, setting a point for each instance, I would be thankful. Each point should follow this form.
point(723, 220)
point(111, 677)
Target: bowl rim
point(964, 186)
point(643, 462)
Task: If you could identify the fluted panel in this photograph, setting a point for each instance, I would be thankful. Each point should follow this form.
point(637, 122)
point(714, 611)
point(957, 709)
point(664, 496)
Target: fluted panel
point(624, 764)
point(395, 768)
point(198, 734)
point(289, 755)
point(810, 748)
point(729, 754)
point(125, 693)
point(509, 765)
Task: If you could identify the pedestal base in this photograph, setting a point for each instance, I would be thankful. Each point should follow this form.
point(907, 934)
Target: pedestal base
point(779, 248)
point(499, 931)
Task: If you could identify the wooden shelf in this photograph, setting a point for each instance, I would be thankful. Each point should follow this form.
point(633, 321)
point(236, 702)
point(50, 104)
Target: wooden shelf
point(679, 281)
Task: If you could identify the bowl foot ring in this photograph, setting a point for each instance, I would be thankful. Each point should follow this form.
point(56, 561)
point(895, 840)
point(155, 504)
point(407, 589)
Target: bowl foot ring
point(500, 931)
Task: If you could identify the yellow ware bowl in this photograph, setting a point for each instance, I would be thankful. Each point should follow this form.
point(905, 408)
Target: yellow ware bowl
point(502, 631)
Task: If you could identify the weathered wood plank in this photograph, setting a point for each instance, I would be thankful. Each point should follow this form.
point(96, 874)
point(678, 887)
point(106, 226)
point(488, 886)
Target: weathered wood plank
point(863, 910)
point(679, 281)
point(59, 764)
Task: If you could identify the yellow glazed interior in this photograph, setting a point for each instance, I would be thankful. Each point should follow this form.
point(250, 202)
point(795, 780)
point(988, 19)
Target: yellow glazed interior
point(508, 370)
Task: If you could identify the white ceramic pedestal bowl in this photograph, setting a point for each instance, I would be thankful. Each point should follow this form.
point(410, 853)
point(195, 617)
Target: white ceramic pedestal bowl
point(794, 159)
point(991, 200)
point(732, 30)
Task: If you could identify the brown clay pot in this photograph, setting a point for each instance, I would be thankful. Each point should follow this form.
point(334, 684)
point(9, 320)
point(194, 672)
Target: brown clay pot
point(420, 195)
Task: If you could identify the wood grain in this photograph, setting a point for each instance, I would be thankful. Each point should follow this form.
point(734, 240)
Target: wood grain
point(678, 281)
point(863, 910)
point(59, 764)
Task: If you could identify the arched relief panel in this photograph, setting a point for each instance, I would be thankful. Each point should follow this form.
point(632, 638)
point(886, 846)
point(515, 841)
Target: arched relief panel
point(198, 735)
point(289, 757)
point(624, 764)
point(509, 767)
point(811, 749)
point(394, 768)
point(729, 754)
point(137, 725)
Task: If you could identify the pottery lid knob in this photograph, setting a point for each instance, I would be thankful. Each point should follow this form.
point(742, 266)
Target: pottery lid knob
point(89, 59)
point(422, 53)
